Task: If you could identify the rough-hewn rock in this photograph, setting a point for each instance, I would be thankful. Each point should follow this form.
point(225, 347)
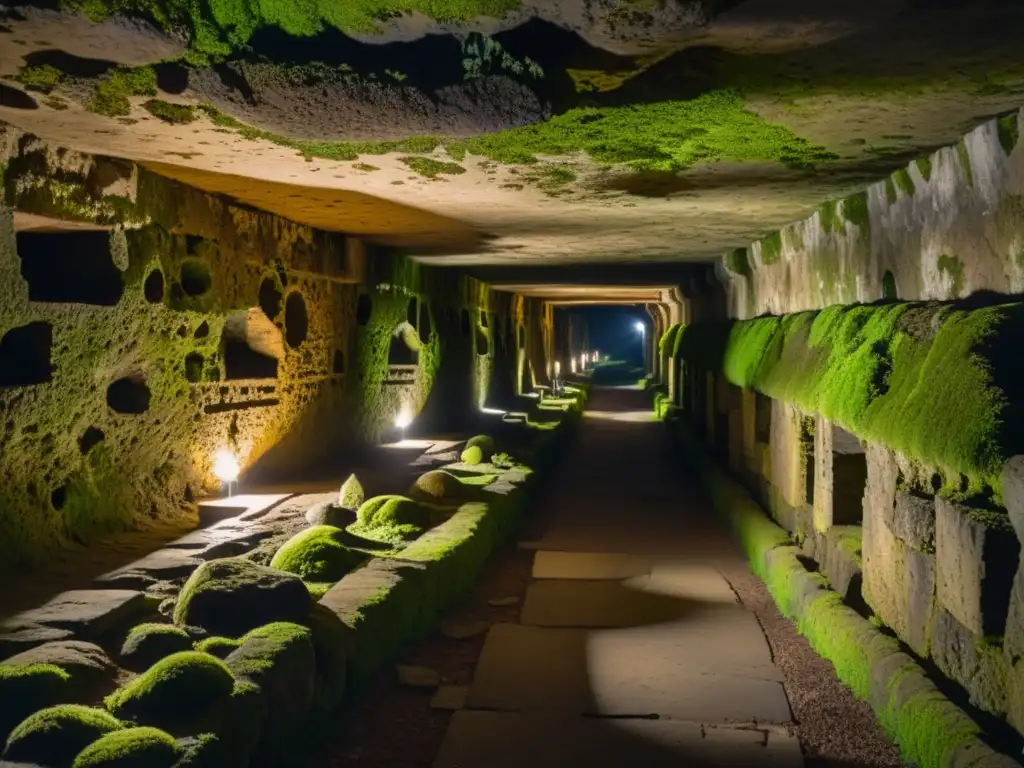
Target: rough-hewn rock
point(1012, 480)
point(146, 644)
point(232, 596)
point(327, 513)
point(87, 613)
point(921, 603)
point(977, 555)
point(972, 661)
point(90, 668)
point(914, 521)
point(1014, 638)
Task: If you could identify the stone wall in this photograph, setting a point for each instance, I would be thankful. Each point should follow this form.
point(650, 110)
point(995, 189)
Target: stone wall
point(145, 325)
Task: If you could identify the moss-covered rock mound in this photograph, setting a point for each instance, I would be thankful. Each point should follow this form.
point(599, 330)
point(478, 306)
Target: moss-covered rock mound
point(217, 646)
point(330, 514)
point(177, 690)
point(28, 688)
point(231, 596)
point(54, 736)
point(392, 518)
point(352, 494)
point(131, 748)
point(472, 455)
point(484, 442)
point(435, 486)
point(331, 643)
point(316, 554)
point(280, 660)
point(146, 644)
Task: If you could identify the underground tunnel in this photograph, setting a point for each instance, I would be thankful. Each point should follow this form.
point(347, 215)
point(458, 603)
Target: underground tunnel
point(502, 383)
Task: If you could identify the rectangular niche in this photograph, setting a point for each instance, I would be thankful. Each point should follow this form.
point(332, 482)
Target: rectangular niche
point(25, 355)
point(849, 478)
point(69, 266)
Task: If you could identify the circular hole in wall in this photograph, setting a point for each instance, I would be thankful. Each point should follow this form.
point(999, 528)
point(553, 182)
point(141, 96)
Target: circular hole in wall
point(194, 363)
point(338, 364)
point(364, 309)
point(202, 331)
point(410, 313)
point(195, 277)
point(128, 395)
point(270, 298)
point(153, 288)
point(296, 323)
point(92, 437)
point(59, 497)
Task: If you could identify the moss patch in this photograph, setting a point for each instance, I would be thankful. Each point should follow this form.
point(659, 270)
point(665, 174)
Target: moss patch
point(113, 93)
point(771, 248)
point(924, 165)
point(316, 554)
point(1009, 132)
point(27, 688)
point(148, 643)
point(392, 519)
point(43, 78)
point(54, 736)
point(351, 495)
point(904, 182)
point(928, 380)
point(473, 455)
point(217, 646)
point(131, 748)
point(966, 168)
point(174, 691)
point(176, 114)
point(953, 268)
point(431, 168)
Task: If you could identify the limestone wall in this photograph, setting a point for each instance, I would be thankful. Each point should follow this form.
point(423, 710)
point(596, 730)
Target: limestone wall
point(946, 226)
point(144, 325)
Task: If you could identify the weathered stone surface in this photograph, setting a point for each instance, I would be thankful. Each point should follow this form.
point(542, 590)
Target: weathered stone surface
point(884, 585)
point(503, 602)
point(1015, 699)
point(89, 665)
point(417, 677)
point(914, 521)
point(450, 697)
point(157, 566)
point(22, 637)
point(86, 613)
point(1012, 480)
point(838, 558)
point(229, 597)
point(921, 603)
point(454, 630)
point(1014, 638)
point(787, 467)
point(330, 514)
point(971, 661)
point(977, 554)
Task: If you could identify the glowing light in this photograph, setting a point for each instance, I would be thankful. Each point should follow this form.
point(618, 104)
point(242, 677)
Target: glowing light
point(403, 419)
point(640, 327)
point(558, 367)
point(583, 361)
point(225, 466)
point(572, 364)
point(497, 411)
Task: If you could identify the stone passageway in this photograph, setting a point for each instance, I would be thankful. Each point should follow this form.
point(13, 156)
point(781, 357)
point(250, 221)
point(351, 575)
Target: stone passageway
point(632, 648)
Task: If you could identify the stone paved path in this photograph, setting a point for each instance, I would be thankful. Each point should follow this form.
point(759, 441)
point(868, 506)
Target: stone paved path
point(632, 648)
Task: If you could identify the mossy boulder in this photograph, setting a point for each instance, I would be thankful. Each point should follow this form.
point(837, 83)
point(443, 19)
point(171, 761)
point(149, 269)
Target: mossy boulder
point(231, 596)
point(28, 688)
point(217, 646)
point(473, 455)
point(175, 691)
point(352, 494)
point(131, 748)
point(484, 442)
point(54, 736)
point(392, 518)
point(316, 554)
point(330, 514)
point(332, 641)
point(146, 644)
point(281, 661)
point(91, 669)
point(435, 486)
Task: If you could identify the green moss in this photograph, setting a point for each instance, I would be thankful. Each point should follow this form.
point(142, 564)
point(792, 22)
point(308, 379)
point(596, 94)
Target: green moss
point(771, 248)
point(27, 688)
point(1008, 127)
point(667, 343)
point(316, 554)
point(484, 442)
point(953, 268)
point(738, 262)
point(922, 379)
point(131, 748)
point(391, 518)
point(175, 690)
point(890, 191)
point(352, 494)
point(830, 219)
point(217, 646)
point(904, 182)
point(472, 455)
point(54, 736)
point(176, 114)
point(113, 92)
point(365, 167)
point(965, 162)
point(435, 486)
point(148, 643)
point(43, 78)
point(855, 211)
point(427, 166)
point(924, 165)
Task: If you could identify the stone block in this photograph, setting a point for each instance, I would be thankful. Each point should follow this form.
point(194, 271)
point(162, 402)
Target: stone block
point(1015, 698)
point(920, 596)
point(163, 564)
point(786, 460)
point(914, 521)
point(1012, 480)
point(86, 613)
point(884, 585)
point(977, 554)
point(880, 489)
point(838, 556)
point(1014, 637)
point(977, 665)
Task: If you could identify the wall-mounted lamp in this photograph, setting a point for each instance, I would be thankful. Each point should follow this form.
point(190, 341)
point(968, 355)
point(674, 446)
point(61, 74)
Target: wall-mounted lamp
point(403, 419)
point(572, 364)
point(226, 467)
point(558, 368)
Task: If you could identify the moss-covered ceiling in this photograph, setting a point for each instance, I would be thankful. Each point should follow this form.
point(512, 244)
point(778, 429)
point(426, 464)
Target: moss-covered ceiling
point(508, 132)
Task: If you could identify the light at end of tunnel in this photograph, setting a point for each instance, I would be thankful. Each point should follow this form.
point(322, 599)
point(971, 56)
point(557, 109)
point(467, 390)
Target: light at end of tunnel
point(403, 419)
point(558, 368)
point(225, 466)
point(572, 364)
point(639, 327)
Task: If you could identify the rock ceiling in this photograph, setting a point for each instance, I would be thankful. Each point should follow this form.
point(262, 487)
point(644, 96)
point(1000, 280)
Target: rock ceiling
point(564, 132)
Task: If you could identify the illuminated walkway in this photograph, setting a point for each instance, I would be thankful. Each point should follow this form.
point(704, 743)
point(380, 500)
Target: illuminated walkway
point(632, 648)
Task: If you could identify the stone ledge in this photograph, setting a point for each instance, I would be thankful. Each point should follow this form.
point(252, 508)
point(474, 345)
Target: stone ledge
point(928, 728)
